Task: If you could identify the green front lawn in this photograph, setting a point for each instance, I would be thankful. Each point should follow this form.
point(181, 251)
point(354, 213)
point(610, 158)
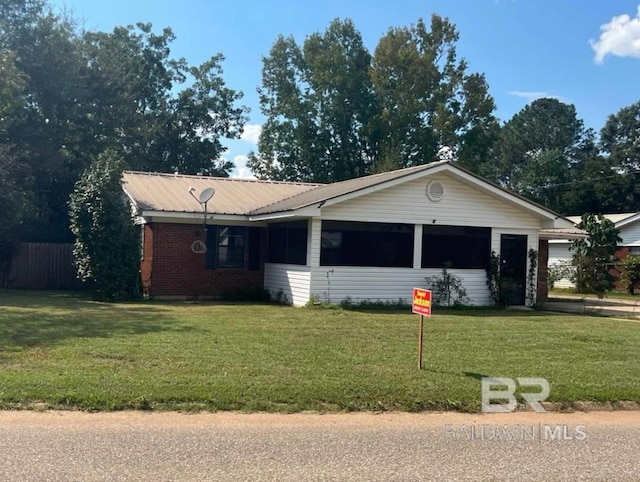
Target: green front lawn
point(62, 350)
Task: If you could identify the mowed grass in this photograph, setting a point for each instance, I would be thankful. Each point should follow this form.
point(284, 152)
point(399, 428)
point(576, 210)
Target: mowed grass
point(66, 351)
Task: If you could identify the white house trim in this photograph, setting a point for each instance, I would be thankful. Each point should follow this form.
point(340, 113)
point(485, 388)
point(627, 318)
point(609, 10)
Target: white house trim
point(306, 212)
point(273, 216)
point(196, 218)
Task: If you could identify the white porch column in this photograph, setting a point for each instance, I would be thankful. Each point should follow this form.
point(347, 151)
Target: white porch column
point(313, 242)
point(417, 246)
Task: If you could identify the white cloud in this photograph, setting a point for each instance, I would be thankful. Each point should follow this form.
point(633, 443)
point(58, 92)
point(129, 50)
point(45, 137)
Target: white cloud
point(241, 170)
point(620, 37)
point(533, 95)
point(251, 133)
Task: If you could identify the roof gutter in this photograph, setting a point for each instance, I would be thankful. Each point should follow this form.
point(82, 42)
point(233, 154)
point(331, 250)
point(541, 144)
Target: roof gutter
point(192, 216)
point(270, 216)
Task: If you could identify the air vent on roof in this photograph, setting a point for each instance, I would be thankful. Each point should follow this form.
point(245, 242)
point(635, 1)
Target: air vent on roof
point(435, 191)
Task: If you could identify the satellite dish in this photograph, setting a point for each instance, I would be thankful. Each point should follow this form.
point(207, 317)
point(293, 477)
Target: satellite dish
point(206, 194)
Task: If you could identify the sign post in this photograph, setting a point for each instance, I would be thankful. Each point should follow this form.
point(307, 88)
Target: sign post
point(422, 306)
point(420, 342)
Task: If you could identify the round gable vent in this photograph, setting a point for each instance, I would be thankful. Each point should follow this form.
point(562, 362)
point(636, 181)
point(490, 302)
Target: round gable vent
point(435, 191)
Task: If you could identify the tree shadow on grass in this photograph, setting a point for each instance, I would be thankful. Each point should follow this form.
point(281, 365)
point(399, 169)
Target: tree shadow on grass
point(44, 319)
point(475, 376)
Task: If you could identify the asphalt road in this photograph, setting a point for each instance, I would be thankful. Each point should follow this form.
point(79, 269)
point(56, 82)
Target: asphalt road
point(227, 446)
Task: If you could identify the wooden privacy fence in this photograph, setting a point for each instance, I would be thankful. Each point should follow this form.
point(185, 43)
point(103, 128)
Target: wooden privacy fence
point(44, 266)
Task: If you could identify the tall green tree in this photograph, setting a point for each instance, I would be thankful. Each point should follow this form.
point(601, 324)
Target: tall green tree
point(44, 50)
point(107, 241)
point(87, 92)
point(132, 107)
point(319, 104)
point(595, 186)
point(619, 143)
point(14, 176)
point(427, 99)
point(12, 93)
point(541, 147)
point(335, 112)
point(619, 138)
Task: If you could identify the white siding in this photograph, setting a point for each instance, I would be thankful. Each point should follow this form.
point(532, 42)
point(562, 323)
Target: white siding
point(630, 234)
point(387, 284)
point(292, 281)
point(461, 205)
point(559, 252)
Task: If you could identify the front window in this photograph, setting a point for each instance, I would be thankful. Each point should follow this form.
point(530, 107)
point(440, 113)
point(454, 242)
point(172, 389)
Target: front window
point(366, 244)
point(462, 247)
point(288, 242)
point(230, 246)
point(236, 247)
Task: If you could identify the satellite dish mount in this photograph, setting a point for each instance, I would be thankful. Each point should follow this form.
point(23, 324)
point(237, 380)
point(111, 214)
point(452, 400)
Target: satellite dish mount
point(203, 198)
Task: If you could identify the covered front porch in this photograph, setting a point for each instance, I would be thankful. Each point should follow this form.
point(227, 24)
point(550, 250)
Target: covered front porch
point(330, 261)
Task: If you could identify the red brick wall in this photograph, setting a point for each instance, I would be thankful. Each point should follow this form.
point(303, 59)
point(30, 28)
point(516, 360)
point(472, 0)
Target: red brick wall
point(172, 269)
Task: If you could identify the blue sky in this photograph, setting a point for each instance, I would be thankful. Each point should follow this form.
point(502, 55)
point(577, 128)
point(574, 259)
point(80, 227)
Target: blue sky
point(584, 52)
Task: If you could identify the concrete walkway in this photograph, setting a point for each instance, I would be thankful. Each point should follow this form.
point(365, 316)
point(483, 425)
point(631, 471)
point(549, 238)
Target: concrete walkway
point(590, 304)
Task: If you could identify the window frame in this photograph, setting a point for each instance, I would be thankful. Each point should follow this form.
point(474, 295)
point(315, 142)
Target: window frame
point(223, 244)
point(287, 232)
point(478, 238)
point(251, 247)
point(366, 244)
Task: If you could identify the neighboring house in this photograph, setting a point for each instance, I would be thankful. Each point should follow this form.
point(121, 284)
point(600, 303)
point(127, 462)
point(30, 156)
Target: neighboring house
point(627, 223)
point(370, 238)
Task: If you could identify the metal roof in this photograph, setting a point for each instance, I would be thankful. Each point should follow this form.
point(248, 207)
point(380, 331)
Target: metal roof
point(170, 193)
